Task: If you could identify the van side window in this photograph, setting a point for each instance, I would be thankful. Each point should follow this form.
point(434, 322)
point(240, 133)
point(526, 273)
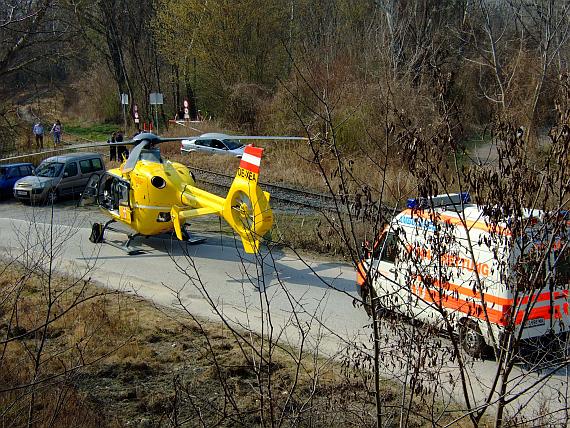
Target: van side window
point(25, 170)
point(97, 165)
point(85, 166)
point(70, 169)
point(13, 172)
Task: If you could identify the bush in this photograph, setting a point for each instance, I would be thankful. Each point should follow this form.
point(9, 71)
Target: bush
point(244, 104)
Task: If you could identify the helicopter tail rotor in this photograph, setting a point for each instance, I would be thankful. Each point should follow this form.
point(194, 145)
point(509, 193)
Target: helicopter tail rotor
point(246, 207)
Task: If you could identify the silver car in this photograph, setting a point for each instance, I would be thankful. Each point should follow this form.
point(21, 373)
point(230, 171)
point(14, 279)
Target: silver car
point(58, 176)
point(214, 143)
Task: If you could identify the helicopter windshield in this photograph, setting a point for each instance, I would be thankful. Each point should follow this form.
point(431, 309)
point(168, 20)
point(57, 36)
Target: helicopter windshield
point(232, 144)
point(49, 169)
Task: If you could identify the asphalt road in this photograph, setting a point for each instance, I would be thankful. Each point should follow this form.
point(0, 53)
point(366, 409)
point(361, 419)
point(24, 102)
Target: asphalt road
point(216, 279)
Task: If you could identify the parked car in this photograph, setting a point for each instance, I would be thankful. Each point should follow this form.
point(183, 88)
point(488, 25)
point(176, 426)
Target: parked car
point(213, 143)
point(10, 173)
point(58, 176)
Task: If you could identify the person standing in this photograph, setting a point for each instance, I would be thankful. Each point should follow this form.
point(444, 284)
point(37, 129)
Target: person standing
point(122, 151)
point(112, 147)
point(56, 131)
point(38, 131)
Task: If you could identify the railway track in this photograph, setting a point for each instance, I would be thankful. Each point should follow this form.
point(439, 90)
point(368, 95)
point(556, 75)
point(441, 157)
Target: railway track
point(286, 197)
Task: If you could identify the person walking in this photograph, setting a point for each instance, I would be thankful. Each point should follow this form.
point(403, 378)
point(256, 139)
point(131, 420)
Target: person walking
point(112, 147)
point(56, 131)
point(38, 131)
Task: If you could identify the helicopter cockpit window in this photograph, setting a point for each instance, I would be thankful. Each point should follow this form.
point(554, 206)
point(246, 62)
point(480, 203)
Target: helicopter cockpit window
point(152, 155)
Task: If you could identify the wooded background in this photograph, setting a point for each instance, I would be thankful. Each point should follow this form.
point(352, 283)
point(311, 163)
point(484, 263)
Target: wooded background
point(244, 61)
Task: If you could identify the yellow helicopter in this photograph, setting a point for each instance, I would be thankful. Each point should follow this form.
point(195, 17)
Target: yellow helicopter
point(153, 195)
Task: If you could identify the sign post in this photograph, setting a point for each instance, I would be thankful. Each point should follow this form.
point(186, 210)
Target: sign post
point(156, 99)
point(124, 103)
point(186, 110)
point(136, 117)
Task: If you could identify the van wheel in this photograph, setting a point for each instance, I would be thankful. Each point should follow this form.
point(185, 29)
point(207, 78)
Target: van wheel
point(471, 338)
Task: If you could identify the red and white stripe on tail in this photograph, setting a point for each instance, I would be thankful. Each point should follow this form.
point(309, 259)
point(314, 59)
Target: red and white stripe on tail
point(251, 159)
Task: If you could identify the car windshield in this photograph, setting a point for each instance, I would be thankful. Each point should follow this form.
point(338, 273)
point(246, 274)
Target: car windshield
point(232, 144)
point(49, 169)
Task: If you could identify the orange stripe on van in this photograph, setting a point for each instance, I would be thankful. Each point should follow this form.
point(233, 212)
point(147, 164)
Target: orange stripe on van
point(471, 224)
point(475, 309)
point(469, 292)
point(360, 274)
point(563, 294)
point(542, 312)
point(469, 308)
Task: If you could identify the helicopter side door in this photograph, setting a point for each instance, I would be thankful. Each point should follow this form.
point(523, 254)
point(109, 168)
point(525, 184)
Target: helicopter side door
point(112, 193)
point(89, 196)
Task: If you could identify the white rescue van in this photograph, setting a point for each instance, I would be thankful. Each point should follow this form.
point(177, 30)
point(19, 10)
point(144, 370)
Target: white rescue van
point(449, 261)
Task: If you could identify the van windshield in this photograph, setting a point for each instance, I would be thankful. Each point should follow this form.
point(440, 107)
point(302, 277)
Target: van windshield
point(49, 169)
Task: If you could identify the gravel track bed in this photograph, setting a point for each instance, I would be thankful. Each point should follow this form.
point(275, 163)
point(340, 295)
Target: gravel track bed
point(282, 197)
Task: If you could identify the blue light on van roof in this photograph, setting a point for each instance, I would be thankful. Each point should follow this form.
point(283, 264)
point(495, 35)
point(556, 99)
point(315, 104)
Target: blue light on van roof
point(439, 200)
point(413, 203)
point(465, 197)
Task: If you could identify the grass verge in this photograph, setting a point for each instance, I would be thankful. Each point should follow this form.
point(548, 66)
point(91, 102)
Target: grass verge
point(105, 359)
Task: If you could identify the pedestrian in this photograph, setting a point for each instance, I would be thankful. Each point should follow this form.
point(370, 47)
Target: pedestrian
point(56, 131)
point(122, 151)
point(38, 131)
point(112, 147)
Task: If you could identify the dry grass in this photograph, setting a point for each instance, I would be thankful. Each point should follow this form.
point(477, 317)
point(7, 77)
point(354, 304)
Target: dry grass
point(291, 163)
point(119, 360)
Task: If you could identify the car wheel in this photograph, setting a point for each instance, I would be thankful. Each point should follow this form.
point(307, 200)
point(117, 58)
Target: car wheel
point(471, 338)
point(52, 197)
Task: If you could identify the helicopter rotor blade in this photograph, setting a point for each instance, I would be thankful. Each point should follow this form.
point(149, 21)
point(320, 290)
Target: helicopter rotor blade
point(260, 137)
point(64, 149)
point(134, 156)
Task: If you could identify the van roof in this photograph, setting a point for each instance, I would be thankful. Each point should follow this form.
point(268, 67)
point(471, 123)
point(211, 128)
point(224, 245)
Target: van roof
point(474, 217)
point(8, 165)
point(73, 156)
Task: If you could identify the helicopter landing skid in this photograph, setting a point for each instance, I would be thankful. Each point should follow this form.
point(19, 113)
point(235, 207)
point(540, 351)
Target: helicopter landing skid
point(188, 238)
point(98, 236)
